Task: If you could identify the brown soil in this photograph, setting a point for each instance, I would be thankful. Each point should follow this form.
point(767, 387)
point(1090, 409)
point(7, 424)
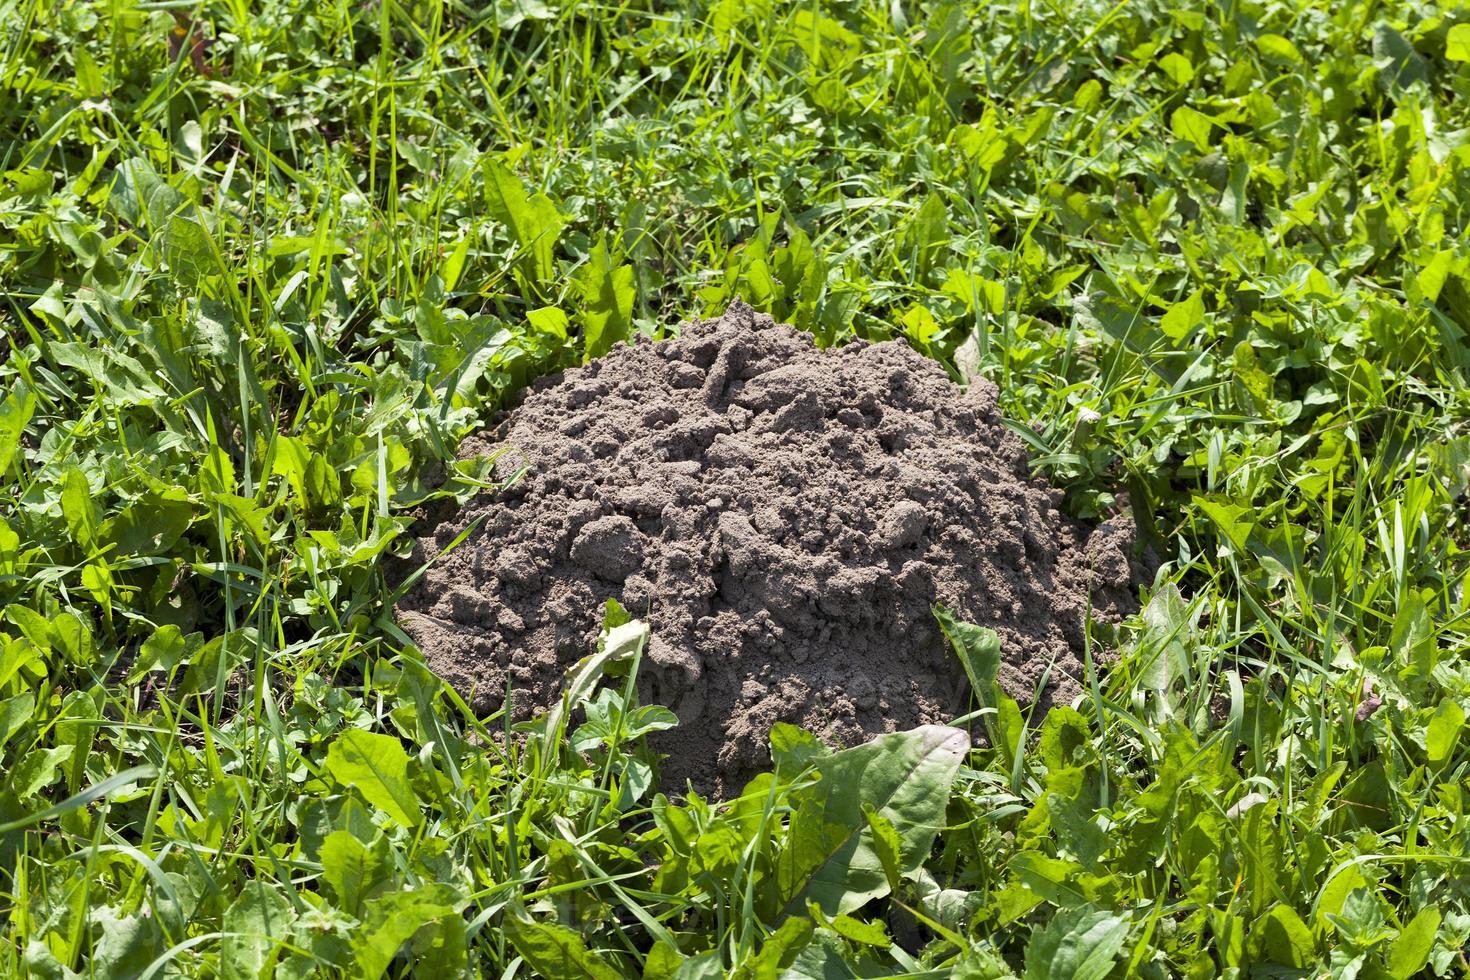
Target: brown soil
point(784, 517)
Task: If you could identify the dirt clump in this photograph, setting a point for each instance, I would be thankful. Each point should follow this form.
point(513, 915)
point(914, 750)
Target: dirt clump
point(784, 517)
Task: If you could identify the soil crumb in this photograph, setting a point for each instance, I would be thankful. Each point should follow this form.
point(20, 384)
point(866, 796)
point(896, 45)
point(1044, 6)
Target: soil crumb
point(784, 517)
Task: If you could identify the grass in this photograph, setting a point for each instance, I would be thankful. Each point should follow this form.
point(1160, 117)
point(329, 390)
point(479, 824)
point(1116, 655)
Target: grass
point(1215, 259)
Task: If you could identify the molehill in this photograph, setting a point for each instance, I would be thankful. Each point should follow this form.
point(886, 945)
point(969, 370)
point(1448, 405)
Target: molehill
point(784, 517)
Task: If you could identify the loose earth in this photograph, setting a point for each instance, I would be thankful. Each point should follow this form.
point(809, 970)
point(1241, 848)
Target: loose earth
point(784, 517)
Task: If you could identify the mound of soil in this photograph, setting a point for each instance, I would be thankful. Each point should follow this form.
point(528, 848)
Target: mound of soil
point(784, 517)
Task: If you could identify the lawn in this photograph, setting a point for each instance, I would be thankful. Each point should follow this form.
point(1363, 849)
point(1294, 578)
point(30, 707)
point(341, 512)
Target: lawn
point(264, 266)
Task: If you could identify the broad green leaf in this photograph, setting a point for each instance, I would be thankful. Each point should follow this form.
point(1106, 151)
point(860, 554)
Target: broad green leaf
point(661, 962)
point(1177, 67)
point(776, 954)
point(1064, 733)
point(189, 250)
point(1444, 731)
point(824, 958)
point(928, 234)
point(243, 514)
point(164, 650)
point(950, 907)
point(607, 297)
point(441, 949)
point(1410, 949)
point(1183, 316)
point(454, 265)
point(1401, 66)
point(289, 460)
point(1009, 731)
point(15, 414)
point(1284, 938)
point(123, 379)
point(548, 320)
point(1192, 125)
point(705, 966)
point(256, 926)
point(858, 931)
point(1234, 521)
point(1162, 644)
point(887, 845)
point(78, 508)
point(351, 868)
point(377, 766)
point(829, 857)
point(982, 963)
point(1430, 280)
point(533, 220)
point(555, 952)
point(33, 626)
point(1077, 944)
point(77, 726)
point(919, 325)
point(1412, 637)
point(9, 548)
point(217, 659)
point(1049, 878)
point(79, 801)
point(149, 526)
point(391, 920)
point(980, 295)
point(978, 648)
point(1278, 48)
point(1252, 377)
point(793, 749)
point(15, 712)
point(126, 943)
point(1457, 43)
point(25, 182)
point(37, 770)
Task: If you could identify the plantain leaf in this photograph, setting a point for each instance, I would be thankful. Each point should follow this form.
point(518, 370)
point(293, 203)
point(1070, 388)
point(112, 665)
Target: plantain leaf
point(830, 857)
